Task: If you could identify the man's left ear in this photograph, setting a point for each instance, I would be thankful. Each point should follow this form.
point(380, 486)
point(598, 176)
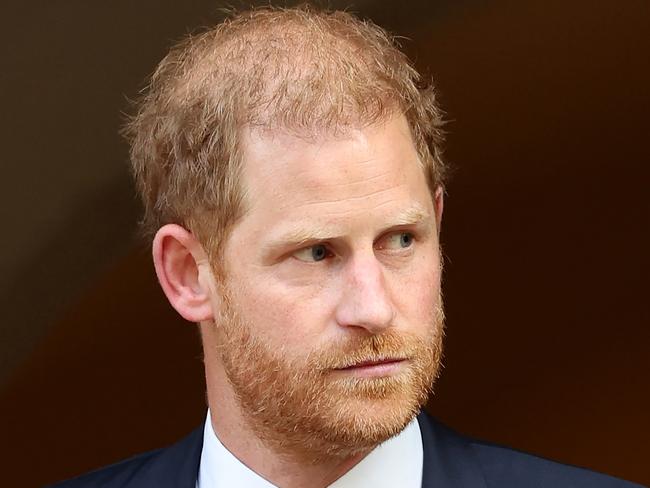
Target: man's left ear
point(181, 266)
point(438, 203)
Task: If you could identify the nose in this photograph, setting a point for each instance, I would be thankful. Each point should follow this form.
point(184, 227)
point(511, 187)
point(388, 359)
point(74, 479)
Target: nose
point(365, 301)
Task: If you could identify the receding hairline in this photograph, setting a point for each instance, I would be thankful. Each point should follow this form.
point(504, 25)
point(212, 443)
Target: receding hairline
point(296, 59)
point(184, 147)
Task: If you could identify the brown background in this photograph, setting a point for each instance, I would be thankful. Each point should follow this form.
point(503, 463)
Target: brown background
point(545, 232)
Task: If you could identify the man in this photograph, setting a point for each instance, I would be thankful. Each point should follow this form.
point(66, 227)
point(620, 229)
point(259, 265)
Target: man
point(290, 166)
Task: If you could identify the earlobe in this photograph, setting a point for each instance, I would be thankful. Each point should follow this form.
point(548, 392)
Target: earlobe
point(178, 258)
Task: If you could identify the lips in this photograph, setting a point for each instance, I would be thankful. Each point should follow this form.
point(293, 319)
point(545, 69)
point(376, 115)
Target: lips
point(372, 362)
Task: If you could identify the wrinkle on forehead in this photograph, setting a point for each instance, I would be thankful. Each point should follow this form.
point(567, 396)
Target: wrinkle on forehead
point(280, 164)
point(365, 179)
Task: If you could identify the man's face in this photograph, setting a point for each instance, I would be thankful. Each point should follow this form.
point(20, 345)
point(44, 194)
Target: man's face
point(331, 318)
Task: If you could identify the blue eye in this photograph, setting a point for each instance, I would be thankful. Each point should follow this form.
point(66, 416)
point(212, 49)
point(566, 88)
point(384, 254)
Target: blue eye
point(312, 253)
point(400, 240)
point(318, 253)
point(406, 239)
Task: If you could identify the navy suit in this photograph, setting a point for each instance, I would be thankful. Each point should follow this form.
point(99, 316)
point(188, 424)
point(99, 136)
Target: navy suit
point(450, 461)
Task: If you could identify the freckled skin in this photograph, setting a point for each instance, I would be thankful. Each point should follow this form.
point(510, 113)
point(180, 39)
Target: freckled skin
point(352, 184)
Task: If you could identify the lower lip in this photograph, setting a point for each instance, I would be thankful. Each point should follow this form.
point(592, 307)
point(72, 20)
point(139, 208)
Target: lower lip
point(374, 370)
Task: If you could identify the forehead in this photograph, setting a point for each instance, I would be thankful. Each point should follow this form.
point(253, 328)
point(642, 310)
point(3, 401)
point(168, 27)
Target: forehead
point(362, 175)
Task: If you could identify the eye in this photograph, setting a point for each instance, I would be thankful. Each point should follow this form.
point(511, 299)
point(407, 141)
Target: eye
point(399, 240)
point(312, 254)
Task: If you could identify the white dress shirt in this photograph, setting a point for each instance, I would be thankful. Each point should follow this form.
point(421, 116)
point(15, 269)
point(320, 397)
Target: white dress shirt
point(395, 462)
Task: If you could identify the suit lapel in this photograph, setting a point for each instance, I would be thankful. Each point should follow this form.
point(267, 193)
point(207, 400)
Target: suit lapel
point(449, 461)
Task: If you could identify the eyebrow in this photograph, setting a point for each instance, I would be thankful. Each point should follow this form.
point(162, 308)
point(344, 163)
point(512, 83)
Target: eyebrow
point(414, 215)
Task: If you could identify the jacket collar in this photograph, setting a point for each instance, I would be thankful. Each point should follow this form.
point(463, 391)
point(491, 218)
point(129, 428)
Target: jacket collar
point(178, 465)
point(448, 459)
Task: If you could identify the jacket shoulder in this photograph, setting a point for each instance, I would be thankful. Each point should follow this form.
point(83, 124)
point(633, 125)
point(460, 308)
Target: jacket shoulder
point(452, 459)
point(171, 467)
point(123, 474)
point(504, 466)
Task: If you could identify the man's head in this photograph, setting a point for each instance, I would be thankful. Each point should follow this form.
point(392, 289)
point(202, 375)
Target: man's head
point(296, 70)
point(292, 168)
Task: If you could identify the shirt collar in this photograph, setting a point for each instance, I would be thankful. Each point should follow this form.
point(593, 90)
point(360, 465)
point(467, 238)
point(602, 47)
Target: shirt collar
point(395, 462)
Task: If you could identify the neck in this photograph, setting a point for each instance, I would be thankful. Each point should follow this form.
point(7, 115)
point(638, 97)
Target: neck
point(295, 469)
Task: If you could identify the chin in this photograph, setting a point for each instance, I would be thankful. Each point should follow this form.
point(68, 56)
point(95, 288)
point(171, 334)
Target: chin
point(361, 424)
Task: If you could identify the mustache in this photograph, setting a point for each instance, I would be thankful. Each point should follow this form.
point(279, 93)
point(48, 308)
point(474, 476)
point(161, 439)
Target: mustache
point(387, 346)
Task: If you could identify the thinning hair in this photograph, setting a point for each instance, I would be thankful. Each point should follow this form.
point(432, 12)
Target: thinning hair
point(301, 70)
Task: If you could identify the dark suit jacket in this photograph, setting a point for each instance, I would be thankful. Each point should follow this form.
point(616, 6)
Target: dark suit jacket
point(450, 460)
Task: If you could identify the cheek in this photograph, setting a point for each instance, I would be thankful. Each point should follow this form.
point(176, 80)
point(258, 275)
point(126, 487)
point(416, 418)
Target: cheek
point(284, 314)
point(417, 292)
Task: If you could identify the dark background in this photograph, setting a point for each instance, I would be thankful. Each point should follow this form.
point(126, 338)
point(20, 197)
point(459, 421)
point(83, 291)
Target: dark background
point(545, 231)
